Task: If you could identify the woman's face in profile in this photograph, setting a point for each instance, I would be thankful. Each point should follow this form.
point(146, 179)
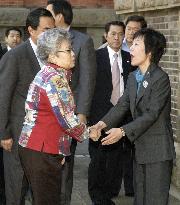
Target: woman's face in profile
point(138, 56)
point(65, 57)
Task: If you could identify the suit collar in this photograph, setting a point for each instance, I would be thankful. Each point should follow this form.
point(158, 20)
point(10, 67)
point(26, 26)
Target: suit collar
point(126, 65)
point(71, 32)
point(32, 57)
point(133, 91)
point(126, 62)
point(106, 61)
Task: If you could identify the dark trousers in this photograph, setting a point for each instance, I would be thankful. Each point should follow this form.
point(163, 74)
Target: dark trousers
point(126, 168)
point(2, 185)
point(67, 176)
point(152, 183)
point(16, 185)
point(43, 172)
point(106, 170)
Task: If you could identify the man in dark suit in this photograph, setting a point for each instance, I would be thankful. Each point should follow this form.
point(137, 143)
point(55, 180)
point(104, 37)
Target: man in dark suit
point(13, 37)
point(17, 70)
point(82, 80)
point(2, 186)
point(106, 166)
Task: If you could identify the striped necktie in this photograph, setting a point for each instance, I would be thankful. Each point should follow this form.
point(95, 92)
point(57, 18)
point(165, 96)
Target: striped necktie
point(115, 80)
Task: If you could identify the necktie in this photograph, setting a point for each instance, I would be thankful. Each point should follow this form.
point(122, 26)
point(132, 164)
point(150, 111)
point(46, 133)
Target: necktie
point(115, 80)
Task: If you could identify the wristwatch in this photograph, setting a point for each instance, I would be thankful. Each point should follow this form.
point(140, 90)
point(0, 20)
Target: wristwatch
point(122, 131)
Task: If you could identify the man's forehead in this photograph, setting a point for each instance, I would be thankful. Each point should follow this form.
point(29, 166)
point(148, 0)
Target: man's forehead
point(14, 32)
point(46, 20)
point(133, 24)
point(115, 28)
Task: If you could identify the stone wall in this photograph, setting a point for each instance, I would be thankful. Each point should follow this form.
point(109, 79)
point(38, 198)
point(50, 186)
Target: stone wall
point(75, 3)
point(91, 15)
point(91, 21)
point(163, 15)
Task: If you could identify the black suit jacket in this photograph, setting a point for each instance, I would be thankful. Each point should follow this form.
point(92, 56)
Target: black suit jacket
point(101, 103)
point(18, 68)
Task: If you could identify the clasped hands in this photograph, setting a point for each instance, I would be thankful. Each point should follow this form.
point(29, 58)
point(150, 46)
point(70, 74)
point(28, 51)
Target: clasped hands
point(113, 135)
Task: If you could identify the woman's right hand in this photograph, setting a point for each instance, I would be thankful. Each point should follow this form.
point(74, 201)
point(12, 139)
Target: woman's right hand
point(95, 130)
point(93, 134)
point(63, 161)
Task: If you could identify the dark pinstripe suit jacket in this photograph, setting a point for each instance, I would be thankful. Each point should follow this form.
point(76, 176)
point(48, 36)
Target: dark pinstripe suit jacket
point(18, 68)
point(151, 129)
point(84, 73)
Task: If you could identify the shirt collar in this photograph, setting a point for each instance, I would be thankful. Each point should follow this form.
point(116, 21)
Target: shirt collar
point(33, 45)
point(67, 29)
point(112, 52)
point(125, 46)
point(8, 48)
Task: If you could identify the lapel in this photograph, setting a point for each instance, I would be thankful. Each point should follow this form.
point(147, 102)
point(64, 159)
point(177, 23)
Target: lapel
point(107, 65)
point(126, 65)
point(133, 92)
point(72, 36)
point(32, 57)
point(145, 84)
point(4, 50)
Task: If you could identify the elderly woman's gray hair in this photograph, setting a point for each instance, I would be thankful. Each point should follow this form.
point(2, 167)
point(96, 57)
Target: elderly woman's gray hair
point(49, 43)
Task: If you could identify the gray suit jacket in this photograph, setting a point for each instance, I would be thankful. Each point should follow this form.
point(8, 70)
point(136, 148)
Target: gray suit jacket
point(17, 70)
point(151, 129)
point(84, 73)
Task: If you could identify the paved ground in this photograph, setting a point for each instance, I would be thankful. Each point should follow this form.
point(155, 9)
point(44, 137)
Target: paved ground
point(80, 193)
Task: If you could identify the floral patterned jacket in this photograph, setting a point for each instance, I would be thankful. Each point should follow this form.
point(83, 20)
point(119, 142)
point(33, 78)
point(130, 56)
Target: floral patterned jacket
point(50, 121)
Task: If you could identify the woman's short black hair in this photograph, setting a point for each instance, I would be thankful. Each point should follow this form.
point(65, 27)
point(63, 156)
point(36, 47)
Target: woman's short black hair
point(154, 41)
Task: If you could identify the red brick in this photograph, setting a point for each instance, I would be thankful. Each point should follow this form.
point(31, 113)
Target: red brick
point(75, 3)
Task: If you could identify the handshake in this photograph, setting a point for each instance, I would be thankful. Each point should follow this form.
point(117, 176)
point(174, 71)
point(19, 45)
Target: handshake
point(113, 135)
point(95, 130)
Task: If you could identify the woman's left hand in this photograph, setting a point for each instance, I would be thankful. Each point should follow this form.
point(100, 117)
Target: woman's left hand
point(114, 135)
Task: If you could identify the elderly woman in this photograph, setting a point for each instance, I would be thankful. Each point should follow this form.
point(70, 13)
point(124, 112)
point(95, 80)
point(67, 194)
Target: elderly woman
point(148, 97)
point(50, 121)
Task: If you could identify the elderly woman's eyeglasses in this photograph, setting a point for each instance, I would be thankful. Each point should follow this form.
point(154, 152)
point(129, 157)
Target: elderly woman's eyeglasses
point(66, 51)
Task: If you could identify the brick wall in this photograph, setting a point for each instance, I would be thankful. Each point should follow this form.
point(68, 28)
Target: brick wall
point(92, 3)
point(167, 22)
point(12, 3)
point(34, 3)
point(75, 3)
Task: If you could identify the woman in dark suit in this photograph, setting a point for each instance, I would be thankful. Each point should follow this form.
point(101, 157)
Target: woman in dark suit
point(148, 97)
point(50, 122)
